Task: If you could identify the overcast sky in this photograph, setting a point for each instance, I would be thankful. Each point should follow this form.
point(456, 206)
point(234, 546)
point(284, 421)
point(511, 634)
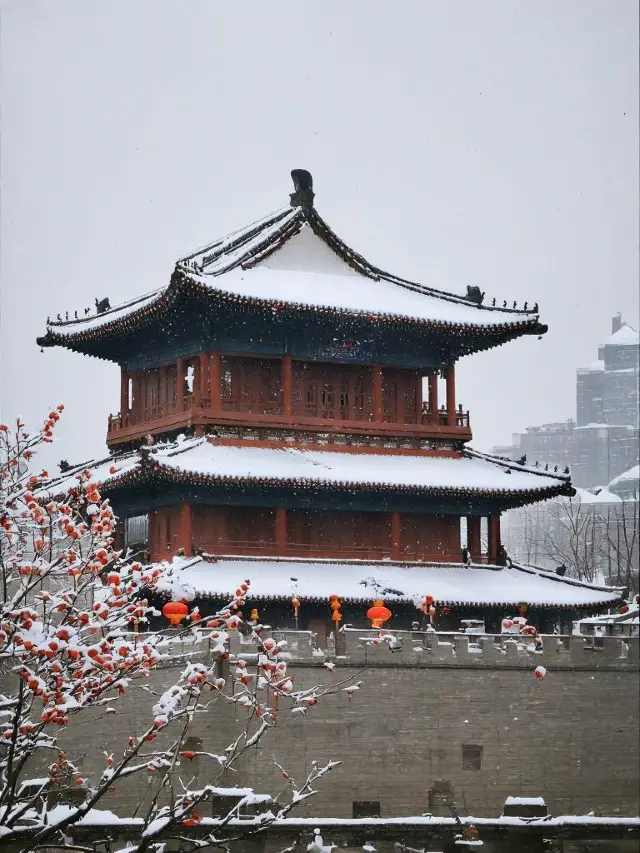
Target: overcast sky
point(491, 143)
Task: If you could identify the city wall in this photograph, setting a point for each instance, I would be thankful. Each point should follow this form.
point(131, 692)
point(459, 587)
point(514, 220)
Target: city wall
point(436, 717)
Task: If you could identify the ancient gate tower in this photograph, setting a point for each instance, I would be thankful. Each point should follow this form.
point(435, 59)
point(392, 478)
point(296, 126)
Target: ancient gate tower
point(302, 408)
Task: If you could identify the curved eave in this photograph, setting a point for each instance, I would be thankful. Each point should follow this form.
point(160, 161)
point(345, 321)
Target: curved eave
point(403, 600)
point(464, 338)
point(156, 473)
point(484, 337)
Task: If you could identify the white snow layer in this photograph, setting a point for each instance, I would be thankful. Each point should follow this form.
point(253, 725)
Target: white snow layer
point(272, 578)
point(333, 467)
point(525, 801)
point(306, 271)
point(626, 336)
point(357, 294)
point(473, 472)
point(626, 476)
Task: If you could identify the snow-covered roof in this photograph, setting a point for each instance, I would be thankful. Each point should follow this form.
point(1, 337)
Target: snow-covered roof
point(626, 336)
point(594, 367)
point(291, 260)
point(363, 581)
point(626, 476)
point(604, 496)
point(629, 616)
point(203, 460)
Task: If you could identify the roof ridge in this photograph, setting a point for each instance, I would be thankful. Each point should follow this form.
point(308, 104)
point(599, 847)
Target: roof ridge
point(551, 575)
point(274, 215)
point(110, 310)
point(515, 466)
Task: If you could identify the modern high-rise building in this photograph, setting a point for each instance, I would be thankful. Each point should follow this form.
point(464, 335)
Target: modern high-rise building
point(602, 442)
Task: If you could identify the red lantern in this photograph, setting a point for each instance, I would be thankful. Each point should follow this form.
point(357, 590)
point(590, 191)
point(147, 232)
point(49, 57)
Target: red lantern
point(623, 608)
point(426, 603)
point(378, 614)
point(175, 611)
point(540, 672)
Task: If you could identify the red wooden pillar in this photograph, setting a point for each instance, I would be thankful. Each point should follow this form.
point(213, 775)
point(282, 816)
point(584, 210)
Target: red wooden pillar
point(377, 393)
point(287, 386)
point(400, 398)
point(181, 369)
point(433, 395)
point(158, 534)
point(419, 399)
point(184, 529)
point(137, 408)
point(395, 535)
point(152, 535)
point(451, 395)
point(162, 390)
point(494, 537)
point(474, 543)
point(281, 529)
point(124, 395)
point(214, 382)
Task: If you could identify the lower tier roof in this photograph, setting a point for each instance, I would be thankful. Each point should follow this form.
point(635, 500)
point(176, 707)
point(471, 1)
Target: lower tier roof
point(489, 586)
point(211, 461)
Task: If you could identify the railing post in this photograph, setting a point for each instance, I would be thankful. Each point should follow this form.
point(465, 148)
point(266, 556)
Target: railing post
point(287, 386)
point(377, 393)
point(451, 395)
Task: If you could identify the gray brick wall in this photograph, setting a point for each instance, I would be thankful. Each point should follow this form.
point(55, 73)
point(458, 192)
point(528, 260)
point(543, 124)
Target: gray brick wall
point(571, 738)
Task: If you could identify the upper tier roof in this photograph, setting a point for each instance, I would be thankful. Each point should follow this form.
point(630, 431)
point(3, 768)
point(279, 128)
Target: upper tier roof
point(207, 461)
point(290, 261)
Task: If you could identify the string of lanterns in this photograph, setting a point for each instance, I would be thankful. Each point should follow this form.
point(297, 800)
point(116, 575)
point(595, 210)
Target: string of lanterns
point(335, 605)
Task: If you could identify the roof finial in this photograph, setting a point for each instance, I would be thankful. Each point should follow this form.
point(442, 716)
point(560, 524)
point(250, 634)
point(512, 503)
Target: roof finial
point(303, 185)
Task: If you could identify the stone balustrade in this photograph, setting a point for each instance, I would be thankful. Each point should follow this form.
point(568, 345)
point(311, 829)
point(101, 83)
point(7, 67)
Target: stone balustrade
point(423, 649)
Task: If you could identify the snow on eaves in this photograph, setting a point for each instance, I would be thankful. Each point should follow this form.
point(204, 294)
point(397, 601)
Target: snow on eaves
point(356, 580)
point(291, 257)
point(470, 472)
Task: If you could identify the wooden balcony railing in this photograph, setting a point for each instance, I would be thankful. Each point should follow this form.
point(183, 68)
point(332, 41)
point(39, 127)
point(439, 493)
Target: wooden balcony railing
point(270, 548)
point(193, 409)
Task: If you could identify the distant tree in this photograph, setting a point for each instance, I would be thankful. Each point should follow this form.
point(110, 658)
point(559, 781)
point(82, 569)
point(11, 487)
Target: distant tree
point(568, 533)
point(621, 542)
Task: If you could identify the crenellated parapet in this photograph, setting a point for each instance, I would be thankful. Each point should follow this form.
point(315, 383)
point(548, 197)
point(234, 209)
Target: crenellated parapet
point(356, 647)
